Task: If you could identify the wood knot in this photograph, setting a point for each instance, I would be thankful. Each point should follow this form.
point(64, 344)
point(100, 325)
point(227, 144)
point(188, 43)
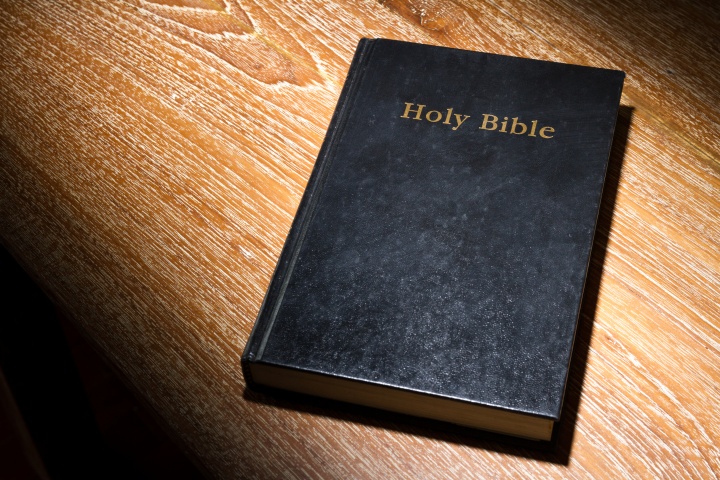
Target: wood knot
point(434, 15)
point(227, 33)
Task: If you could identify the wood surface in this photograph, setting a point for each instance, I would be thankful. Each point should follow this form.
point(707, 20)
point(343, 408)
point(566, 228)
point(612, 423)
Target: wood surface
point(152, 155)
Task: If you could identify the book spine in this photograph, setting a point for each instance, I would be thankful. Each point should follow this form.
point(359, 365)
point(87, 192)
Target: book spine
point(283, 270)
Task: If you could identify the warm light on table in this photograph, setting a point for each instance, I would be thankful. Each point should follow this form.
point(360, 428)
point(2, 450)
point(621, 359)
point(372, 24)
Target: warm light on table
point(152, 156)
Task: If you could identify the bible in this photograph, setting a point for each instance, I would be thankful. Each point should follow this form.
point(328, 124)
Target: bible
point(437, 260)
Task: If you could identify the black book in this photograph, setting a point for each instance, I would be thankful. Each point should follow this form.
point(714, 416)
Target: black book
point(437, 261)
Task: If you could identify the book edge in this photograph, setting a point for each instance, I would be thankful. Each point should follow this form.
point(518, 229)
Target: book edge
point(444, 47)
point(611, 139)
point(375, 395)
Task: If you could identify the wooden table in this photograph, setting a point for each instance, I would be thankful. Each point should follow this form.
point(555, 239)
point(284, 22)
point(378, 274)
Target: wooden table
point(153, 155)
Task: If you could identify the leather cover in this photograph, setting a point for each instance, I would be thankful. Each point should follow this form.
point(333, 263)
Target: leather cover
point(448, 261)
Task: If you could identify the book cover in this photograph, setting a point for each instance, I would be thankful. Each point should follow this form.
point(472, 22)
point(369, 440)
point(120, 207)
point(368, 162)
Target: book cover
point(437, 261)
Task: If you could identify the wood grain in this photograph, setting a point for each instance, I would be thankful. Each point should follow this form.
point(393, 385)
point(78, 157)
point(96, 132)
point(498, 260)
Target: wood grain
point(153, 153)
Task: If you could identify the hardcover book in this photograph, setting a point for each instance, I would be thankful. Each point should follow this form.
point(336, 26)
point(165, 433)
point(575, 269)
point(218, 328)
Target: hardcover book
point(437, 260)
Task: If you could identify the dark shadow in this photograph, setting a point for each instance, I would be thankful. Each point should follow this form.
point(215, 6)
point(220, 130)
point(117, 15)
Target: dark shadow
point(42, 379)
point(74, 418)
point(558, 449)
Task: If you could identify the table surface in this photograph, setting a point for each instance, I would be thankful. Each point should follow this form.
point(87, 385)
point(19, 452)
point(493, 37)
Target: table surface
point(153, 153)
